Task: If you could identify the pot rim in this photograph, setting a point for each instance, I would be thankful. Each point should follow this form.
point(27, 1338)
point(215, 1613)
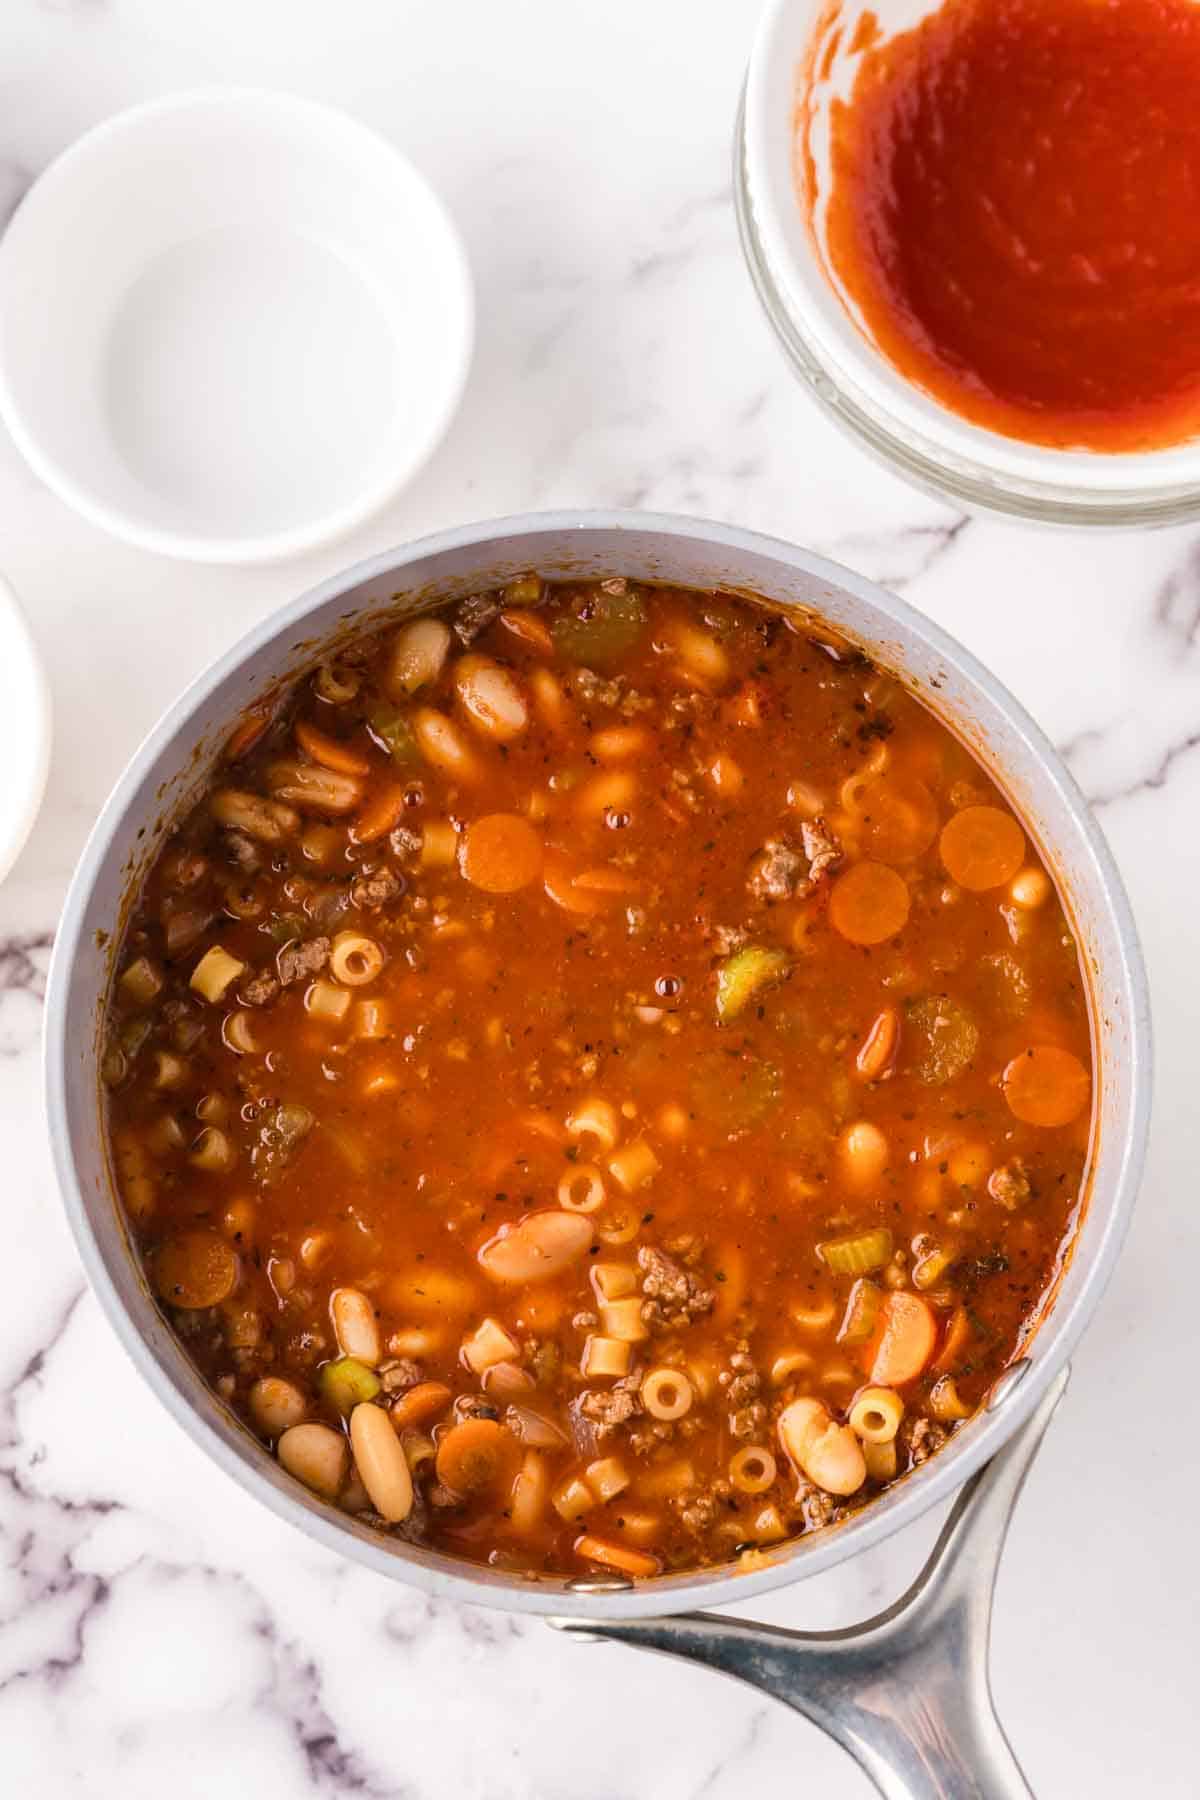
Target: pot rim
point(936, 1480)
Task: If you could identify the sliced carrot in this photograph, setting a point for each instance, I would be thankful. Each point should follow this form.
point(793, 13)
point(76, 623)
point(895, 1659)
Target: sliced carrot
point(420, 1404)
point(329, 752)
point(560, 880)
point(896, 816)
point(477, 1454)
point(195, 1269)
point(500, 853)
point(245, 735)
point(382, 813)
point(615, 1556)
point(982, 847)
point(617, 742)
point(869, 903)
point(607, 880)
point(902, 1342)
point(954, 1346)
point(1046, 1086)
point(528, 629)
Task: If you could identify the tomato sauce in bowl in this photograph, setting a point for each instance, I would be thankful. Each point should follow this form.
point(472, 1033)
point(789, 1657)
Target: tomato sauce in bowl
point(1012, 214)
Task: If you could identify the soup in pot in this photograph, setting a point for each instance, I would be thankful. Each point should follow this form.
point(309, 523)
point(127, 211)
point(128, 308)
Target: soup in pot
point(601, 1079)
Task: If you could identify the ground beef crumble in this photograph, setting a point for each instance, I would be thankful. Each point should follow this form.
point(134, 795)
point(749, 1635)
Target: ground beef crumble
point(474, 616)
point(923, 1439)
point(296, 961)
point(400, 1373)
point(242, 853)
point(777, 872)
point(377, 889)
point(673, 1296)
point(608, 1409)
point(748, 1421)
point(782, 872)
point(1010, 1184)
point(475, 1406)
point(742, 1385)
point(815, 1507)
point(404, 842)
point(597, 690)
point(699, 1513)
point(260, 990)
point(725, 939)
point(821, 848)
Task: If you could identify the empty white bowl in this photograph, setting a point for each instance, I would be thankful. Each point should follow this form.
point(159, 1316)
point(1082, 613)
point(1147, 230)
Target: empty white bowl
point(25, 715)
point(232, 324)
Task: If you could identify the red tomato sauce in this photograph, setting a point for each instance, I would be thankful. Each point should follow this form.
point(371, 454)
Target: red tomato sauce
point(1014, 209)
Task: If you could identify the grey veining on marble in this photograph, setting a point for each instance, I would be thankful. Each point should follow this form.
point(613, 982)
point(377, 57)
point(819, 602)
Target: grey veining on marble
point(158, 1634)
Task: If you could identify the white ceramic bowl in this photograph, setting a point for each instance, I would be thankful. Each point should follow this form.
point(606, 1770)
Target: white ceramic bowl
point(232, 324)
point(831, 348)
point(25, 729)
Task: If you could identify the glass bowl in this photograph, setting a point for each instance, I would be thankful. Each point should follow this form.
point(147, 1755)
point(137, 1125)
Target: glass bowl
point(898, 423)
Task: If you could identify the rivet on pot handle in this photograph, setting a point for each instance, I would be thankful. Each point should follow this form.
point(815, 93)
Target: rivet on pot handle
point(907, 1692)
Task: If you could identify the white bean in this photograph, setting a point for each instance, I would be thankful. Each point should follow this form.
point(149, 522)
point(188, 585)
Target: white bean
point(316, 1455)
point(863, 1152)
point(268, 821)
point(443, 744)
point(823, 1452)
point(1030, 888)
point(355, 1325)
point(540, 1246)
point(314, 789)
point(276, 1404)
point(381, 1463)
point(419, 653)
point(491, 699)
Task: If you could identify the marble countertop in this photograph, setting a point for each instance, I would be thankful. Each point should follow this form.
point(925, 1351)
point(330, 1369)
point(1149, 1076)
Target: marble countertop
point(159, 1632)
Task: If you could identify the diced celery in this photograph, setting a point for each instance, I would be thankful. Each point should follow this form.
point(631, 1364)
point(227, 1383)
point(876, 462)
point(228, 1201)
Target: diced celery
point(733, 1091)
point(744, 975)
point(932, 1266)
point(940, 1039)
point(133, 1034)
point(285, 929)
point(346, 1382)
point(393, 733)
point(862, 1313)
point(858, 1254)
point(141, 982)
point(600, 629)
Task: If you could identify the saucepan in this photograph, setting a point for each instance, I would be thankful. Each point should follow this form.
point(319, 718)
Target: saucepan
point(907, 1692)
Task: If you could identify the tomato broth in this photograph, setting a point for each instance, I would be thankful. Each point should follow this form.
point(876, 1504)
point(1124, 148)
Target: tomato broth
point(601, 1079)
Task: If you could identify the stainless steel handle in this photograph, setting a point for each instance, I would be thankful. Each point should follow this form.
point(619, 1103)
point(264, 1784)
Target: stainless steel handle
point(907, 1692)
